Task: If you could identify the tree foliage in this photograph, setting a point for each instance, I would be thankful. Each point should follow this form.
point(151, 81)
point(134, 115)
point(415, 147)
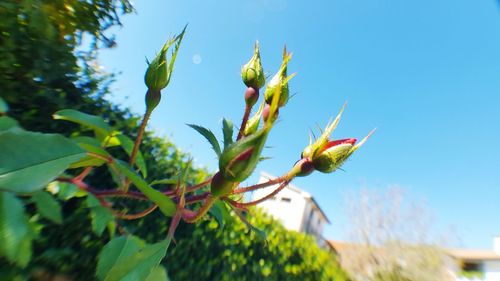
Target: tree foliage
point(236, 253)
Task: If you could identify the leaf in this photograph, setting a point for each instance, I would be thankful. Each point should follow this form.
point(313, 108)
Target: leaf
point(15, 230)
point(209, 136)
point(128, 146)
point(91, 159)
point(47, 206)
point(227, 130)
point(166, 205)
point(7, 123)
point(129, 259)
point(94, 122)
point(220, 213)
point(157, 274)
point(29, 161)
point(100, 216)
point(65, 190)
point(3, 106)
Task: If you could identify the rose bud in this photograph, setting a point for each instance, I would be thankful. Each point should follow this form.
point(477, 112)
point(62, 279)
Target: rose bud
point(220, 186)
point(239, 159)
point(252, 73)
point(279, 83)
point(159, 70)
point(328, 155)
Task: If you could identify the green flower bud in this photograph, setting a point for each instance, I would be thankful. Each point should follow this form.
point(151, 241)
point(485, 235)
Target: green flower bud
point(328, 155)
point(334, 156)
point(220, 186)
point(279, 82)
point(252, 73)
point(159, 70)
point(240, 158)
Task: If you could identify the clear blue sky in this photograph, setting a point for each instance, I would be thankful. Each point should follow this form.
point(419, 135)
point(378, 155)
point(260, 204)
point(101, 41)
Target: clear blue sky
point(426, 73)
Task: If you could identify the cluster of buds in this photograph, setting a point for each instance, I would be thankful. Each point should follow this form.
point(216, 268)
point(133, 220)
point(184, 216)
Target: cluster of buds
point(239, 157)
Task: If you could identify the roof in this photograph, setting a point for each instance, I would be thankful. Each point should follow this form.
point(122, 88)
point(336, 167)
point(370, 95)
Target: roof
point(303, 193)
point(459, 254)
point(473, 255)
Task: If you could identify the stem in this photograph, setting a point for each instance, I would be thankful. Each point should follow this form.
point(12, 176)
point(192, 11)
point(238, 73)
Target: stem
point(260, 185)
point(251, 203)
point(138, 215)
point(244, 121)
point(144, 122)
point(192, 218)
point(191, 188)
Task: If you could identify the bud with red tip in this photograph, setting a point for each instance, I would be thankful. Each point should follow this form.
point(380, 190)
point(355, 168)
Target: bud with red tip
point(328, 155)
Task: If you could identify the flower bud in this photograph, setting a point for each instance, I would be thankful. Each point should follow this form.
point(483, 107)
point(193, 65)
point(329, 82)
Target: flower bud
point(333, 156)
point(159, 70)
point(252, 73)
point(220, 186)
point(251, 96)
point(239, 159)
point(328, 155)
point(279, 83)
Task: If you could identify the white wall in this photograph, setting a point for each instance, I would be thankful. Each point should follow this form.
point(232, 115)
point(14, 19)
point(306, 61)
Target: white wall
point(491, 270)
point(289, 213)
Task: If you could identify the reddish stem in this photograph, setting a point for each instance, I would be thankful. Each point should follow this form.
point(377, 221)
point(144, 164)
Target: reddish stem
point(244, 121)
point(260, 185)
point(251, 203)
point(136, 216)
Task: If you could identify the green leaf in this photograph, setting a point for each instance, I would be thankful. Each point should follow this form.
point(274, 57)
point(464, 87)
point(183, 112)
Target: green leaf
point(128, 146)
point(100, 216)
point(15, 230)
point(157, 274)
point(220, 213)
point(7, 123)
point(65, 190)
point(227, 130)
point(3, 106)
point(29, 161)
point(209, 136)
point(47, 206)
point(128, 259)
point(91, 159)
point(94, 122)
point(166, 205)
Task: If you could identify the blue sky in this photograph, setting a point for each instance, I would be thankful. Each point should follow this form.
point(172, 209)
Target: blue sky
point(425, 73)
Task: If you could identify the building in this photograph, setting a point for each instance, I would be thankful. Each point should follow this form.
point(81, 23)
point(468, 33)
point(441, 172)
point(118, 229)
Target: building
point(462, 264)
point(295, 208)
point(472, 265)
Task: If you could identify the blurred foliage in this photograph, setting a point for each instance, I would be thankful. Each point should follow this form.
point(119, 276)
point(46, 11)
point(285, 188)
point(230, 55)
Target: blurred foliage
point(43, 68)
point(233, 252)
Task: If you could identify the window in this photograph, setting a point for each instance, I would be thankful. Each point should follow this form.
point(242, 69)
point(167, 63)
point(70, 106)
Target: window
point(286, 199)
